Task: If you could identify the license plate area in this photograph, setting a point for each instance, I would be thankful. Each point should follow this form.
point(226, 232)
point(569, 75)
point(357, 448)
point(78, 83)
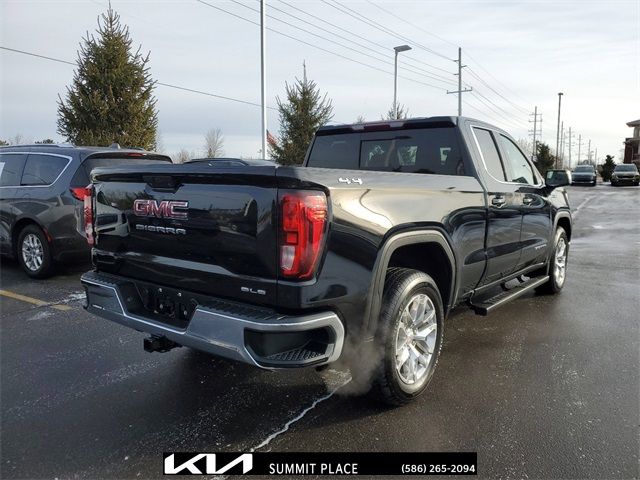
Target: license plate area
point(168, 305)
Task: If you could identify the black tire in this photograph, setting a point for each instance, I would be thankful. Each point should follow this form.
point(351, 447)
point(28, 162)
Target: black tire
point(402, 287)
point(555, 284)
point(593, 184)
point(613, 184)
point(43, 267)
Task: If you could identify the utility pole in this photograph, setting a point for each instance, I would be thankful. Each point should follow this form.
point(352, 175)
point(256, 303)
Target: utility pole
point(460, 91)
point(579, 147)
point(595, 158)
point(263, 74)
point(558, 131)
point(561, 153)
point(569, 148)
point(535, 114)
point(589, 152)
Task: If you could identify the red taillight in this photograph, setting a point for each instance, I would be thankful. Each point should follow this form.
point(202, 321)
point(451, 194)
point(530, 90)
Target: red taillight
point(302, 228)
point(79, 192)
point(88, 215)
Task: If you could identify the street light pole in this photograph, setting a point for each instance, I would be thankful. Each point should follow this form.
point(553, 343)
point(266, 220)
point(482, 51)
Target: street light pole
point(263, 75)
point(558, 131)
point(397, 50)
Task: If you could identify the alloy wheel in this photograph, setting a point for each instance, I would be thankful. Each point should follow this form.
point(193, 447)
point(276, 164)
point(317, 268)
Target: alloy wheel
point(32, 252)
point(560, 263)
point(416, 339)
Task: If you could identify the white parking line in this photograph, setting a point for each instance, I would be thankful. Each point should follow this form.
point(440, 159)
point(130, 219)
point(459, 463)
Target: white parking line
point(582, 204)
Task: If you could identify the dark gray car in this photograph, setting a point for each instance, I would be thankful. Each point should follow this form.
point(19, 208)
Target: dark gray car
point(42, 189)
point(625, 173)
point(584, 175)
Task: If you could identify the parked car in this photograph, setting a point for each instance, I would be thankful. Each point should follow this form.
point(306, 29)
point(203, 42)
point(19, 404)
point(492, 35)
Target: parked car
point(42, 191)
point(625, 173)
point(359, 254)
point(584, 174)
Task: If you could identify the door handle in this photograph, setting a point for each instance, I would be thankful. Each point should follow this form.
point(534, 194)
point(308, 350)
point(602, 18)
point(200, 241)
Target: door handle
point(527, 200)
point(498, 201)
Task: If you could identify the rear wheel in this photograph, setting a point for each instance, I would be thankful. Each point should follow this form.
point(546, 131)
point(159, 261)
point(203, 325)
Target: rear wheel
point(34, 253)
point(558, 264)
point(410, 335)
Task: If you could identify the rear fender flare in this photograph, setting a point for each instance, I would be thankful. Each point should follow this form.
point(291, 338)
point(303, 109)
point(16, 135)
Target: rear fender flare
point(374, 297)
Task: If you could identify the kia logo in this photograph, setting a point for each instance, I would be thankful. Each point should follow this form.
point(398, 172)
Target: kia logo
point(164, 209)
point(205, 463)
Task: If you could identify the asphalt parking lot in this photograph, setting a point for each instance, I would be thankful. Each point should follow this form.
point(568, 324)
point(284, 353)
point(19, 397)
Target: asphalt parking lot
point(546, 387)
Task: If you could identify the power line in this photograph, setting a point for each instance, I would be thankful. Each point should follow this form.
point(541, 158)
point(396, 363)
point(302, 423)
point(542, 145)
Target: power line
point(492, 106)
point(494, 78)
point(477, 77)
point(320, 48)
point(372, 23)
point(168, 85)
point(384, 47)
point(392, 32)
point(342, 45)
point(499, 109)
point(389, 12)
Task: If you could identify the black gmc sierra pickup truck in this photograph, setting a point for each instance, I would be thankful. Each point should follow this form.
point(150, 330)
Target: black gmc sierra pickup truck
point(359, 254)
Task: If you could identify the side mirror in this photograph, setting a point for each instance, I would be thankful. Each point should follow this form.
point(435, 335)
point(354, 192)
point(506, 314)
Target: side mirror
point(557, 178)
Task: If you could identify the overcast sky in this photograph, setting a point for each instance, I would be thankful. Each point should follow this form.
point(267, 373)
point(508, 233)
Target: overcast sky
point(524, 53)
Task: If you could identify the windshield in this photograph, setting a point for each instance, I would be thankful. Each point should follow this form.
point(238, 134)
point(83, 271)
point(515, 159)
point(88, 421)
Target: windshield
point(583, 168)
point(626, 168)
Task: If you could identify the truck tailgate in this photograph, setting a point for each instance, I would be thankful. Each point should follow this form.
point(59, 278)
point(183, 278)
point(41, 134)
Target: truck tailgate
point(190, 227)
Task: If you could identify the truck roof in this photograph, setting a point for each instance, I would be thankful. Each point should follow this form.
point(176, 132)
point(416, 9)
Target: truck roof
point(416, 122)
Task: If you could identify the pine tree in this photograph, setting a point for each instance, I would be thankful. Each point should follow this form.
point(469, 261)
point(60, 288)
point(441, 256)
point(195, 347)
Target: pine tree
point(111, 97)
point(396, 112)
point(303, 113)
point(544, 160)
point(606, 169)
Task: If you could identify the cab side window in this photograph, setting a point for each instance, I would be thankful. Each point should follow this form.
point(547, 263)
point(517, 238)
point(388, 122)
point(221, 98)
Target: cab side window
point(519, 170)
point(11, 165)
point(490, 154)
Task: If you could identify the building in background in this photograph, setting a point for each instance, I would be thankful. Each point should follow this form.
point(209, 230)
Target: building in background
point(632, 145)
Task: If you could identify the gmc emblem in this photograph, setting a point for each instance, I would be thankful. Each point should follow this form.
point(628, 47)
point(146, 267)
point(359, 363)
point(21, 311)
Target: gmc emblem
point(164, 209)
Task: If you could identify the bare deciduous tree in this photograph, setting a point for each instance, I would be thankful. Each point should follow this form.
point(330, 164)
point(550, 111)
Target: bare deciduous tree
point(183, 155)
point(360, 119)
point(214, 143)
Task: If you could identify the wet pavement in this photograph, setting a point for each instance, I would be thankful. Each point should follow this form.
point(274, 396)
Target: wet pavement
point(545, 387)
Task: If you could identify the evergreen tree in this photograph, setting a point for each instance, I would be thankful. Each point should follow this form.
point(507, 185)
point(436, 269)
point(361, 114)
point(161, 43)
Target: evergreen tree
point(606, 169)
point(111, 97)
point(544, 160)
point(304, 111)
point(396, 112)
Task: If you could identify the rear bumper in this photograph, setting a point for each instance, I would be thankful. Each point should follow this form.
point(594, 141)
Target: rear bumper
point(265, 339)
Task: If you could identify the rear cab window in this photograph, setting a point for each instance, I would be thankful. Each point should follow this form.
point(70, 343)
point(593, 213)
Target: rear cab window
point(418, 150)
